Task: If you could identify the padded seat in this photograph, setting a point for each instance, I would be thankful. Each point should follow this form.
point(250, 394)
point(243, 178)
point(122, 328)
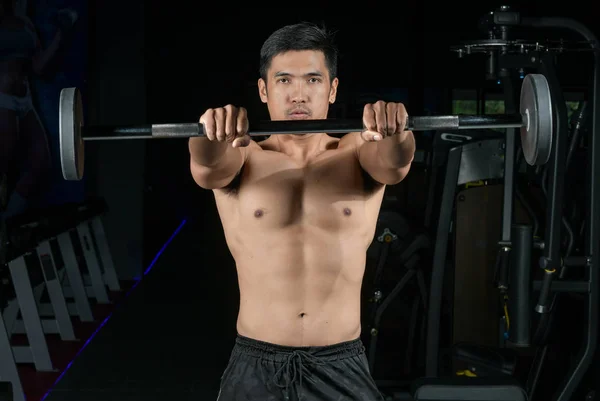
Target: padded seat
point(468, 389)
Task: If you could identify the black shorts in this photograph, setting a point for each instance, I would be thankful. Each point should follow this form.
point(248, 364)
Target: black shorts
point(268, 372)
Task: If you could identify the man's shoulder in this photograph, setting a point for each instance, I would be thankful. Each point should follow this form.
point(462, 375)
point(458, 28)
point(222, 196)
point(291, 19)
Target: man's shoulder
point(253, 146)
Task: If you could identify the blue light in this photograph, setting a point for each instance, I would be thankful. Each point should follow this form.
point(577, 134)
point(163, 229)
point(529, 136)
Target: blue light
point(162, 249)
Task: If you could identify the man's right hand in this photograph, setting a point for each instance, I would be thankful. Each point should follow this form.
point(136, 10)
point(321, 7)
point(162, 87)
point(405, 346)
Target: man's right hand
point(226, 124)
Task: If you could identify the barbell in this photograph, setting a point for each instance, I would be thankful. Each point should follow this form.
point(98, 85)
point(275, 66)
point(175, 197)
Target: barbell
point(535, 121)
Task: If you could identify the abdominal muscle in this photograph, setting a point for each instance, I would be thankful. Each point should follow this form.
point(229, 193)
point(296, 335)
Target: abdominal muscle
point(299, 286)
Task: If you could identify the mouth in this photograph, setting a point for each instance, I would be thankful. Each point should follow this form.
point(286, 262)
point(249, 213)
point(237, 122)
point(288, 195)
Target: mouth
point(299, 114)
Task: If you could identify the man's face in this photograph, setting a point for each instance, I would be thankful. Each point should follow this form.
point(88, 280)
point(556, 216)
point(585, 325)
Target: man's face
point(298, 86)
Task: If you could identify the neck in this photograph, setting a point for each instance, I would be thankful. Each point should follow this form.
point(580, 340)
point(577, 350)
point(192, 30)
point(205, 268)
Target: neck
point(300, 146)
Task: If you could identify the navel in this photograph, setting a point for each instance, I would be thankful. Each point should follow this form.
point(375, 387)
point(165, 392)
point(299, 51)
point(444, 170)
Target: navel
point(259, 213)
point(301, 315)
point(347, 211)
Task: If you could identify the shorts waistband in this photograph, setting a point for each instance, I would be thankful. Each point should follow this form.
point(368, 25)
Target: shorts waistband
point(281, 353)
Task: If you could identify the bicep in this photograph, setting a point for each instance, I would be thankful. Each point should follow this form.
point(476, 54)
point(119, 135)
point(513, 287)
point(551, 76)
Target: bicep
point(222, 174)
point(212, 177)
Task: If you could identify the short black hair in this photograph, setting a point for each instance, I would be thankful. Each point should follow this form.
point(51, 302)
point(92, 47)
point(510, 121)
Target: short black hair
point(301, 36)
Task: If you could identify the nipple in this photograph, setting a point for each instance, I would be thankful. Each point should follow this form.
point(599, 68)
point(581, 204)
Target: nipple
point(258, 213)
point(347, 211)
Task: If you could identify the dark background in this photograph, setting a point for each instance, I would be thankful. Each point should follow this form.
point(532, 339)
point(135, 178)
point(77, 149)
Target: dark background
point(152, 62)
point(197, 57)
point(157, 61)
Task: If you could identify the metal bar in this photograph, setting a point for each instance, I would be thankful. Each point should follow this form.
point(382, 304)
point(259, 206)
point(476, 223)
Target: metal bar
point(55, 293)
point(510, 156)
point(490, 121)
point(31, 317)
point(76, 288)
point(576, 261)
point(556, 169)
point(331, 126)
point(8, 366)
point(582, 287)
point(93, 267)
point(104, 254)
point(519, 290)
point(436, 288)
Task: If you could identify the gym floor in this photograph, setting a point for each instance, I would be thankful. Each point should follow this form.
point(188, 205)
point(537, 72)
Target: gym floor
point(168, 337)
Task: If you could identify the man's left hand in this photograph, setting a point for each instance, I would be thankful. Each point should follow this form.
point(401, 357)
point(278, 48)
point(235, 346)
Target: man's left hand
point(383, 120)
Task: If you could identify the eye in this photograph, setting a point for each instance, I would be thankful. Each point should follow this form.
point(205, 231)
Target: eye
point(283, 80)
point(314, 80)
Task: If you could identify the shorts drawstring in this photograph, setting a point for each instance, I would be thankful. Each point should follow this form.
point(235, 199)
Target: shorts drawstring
point(293, 368)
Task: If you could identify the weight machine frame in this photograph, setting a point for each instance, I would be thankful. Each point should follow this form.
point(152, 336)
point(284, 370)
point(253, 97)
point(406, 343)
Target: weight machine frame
point(551, 260)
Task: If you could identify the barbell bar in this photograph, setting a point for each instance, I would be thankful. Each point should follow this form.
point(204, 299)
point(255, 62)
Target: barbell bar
point(535, 122)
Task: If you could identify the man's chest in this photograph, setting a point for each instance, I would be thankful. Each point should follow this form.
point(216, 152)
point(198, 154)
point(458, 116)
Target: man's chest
point(328, 190)
point(332, 174)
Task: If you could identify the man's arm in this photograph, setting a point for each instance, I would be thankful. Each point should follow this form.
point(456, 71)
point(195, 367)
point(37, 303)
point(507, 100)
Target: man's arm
point(215, 164)
point(217, 158)
point(388, 160)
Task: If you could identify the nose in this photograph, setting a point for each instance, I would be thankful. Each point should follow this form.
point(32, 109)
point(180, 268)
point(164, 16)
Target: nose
point(298, 93)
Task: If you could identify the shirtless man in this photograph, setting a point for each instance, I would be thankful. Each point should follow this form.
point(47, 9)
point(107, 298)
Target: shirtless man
point(299, 212)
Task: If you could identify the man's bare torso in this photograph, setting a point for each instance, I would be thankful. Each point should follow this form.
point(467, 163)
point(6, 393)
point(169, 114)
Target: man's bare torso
point(299, 231)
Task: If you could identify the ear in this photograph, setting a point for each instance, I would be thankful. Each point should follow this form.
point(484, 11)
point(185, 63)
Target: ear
point(262, 90)
point(333, 90)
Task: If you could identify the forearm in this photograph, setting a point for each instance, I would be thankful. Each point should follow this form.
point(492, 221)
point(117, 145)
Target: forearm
point(211, 153)
point(396, 151)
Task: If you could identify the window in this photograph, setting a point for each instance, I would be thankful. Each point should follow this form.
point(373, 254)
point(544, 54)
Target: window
point(494, 107)
point(467, 101)
point(572, 107)
point(464, 101)
point(464, 107)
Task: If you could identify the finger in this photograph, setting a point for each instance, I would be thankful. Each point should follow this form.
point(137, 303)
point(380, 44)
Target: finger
point(220, 124)
point(401, 119)
point(242, 122)
point(369, 121)
point(208, 121)
point(391, 111)
point(380, 118)
point(230, 122)
point(241, 141)
point(371, 136)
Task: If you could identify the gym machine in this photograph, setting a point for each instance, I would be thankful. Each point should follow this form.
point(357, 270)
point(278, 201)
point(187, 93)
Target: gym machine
point(503, 55)
point(395, 246)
